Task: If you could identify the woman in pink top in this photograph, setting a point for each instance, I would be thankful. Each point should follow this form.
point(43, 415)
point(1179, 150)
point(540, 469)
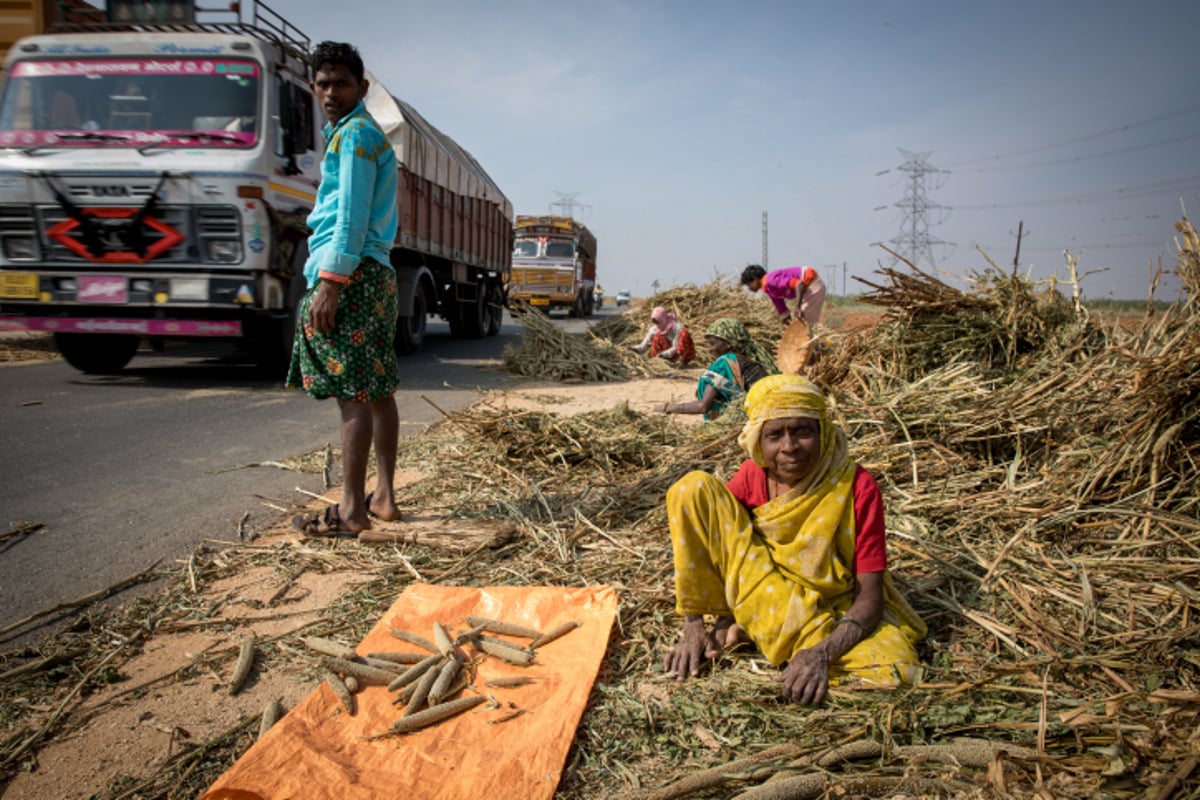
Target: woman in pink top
point(797, 292)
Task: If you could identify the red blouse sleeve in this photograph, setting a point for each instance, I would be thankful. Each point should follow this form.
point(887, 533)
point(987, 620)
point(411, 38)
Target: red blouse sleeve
point(749, 485)
point(870, 547)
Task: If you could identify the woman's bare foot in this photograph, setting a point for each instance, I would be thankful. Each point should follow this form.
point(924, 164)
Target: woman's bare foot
point(735, 635)
point(728, 633)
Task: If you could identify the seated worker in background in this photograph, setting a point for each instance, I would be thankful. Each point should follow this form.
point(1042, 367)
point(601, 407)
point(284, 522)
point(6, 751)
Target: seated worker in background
point(797, 292)
point(790, 553)
point(739, 362)
point(667, 338)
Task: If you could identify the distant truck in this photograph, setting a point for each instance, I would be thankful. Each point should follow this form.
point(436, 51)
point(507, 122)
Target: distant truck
point(554, 264)
point(157, 162)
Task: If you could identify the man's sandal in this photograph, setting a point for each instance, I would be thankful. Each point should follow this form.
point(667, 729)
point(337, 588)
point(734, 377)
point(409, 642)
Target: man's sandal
point(327, 523)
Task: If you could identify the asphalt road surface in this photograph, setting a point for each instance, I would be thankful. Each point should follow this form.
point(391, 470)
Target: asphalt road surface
point(126, 471)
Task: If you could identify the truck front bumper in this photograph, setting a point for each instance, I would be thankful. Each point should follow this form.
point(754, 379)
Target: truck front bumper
point(129, 325)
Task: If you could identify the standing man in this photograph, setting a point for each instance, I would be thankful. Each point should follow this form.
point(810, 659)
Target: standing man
point(347, 321)
point(797, 287)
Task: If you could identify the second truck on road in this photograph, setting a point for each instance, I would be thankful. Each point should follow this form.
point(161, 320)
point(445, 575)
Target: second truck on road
point(554, 265)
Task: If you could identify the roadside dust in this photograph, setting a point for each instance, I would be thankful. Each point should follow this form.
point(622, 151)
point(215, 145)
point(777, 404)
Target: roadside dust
point(146, 716)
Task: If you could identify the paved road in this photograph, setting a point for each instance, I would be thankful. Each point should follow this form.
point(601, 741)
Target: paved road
point(124, 471)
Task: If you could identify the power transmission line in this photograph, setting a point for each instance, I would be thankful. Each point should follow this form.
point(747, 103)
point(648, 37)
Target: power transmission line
point(1080, 139)
point(1169, 186)
point(1087, 157)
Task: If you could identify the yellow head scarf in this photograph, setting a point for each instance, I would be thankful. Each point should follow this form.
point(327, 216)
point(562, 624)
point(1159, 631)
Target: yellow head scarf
point(785, 397)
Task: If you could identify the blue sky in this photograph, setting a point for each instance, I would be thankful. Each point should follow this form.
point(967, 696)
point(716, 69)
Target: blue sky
point(677, 124)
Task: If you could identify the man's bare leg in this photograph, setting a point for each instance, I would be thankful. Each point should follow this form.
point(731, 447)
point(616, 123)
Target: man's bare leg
point(357, 424)
point(385, 421)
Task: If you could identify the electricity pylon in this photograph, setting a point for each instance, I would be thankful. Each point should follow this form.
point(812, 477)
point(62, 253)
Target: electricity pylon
point(566, 204)
point(914, 242)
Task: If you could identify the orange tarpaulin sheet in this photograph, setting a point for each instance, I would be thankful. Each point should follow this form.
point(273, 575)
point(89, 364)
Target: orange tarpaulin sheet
point(319, 751)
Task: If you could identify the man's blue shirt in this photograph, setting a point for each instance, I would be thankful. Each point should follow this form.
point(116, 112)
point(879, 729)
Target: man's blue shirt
point(355, 214)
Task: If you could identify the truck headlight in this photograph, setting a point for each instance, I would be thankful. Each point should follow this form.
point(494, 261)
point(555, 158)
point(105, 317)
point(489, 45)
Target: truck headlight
point(224, 252)
point(20, 248)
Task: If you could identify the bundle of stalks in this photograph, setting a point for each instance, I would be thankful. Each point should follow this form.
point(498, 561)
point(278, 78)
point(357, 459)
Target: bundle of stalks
point(1187, 265)
point(546, 351)
point(1004, 323)
point(697, 307)
point(1041, 490)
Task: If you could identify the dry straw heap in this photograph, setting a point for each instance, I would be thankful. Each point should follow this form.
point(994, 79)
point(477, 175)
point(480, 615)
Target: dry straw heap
point(1039, 467)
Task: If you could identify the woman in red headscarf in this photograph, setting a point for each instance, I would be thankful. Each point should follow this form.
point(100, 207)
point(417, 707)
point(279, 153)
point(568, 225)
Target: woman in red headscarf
point(667, 338)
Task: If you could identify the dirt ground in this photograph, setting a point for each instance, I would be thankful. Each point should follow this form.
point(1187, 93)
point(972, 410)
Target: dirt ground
point(136, 730)
point(145, 717)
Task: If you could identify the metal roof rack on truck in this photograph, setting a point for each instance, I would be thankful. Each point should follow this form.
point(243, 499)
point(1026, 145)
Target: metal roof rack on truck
point(250, 18)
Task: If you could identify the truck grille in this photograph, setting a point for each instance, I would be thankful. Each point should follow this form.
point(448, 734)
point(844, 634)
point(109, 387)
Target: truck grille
point(196, 223)
point(97, 190)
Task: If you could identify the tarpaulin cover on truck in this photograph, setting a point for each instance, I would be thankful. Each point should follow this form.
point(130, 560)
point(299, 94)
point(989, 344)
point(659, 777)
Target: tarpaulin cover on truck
point(319, 751)
point(428, 152)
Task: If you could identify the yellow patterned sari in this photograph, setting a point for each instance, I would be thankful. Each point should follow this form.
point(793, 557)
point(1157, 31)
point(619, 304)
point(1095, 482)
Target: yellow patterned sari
point(785, 571)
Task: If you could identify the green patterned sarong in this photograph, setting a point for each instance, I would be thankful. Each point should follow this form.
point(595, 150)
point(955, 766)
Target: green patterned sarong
point(356, 361)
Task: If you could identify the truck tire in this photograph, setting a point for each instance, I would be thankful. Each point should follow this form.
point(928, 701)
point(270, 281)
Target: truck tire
point(97, 353)
point(410, 330)
point(495, 301)
point(274, 337)
point(469, 319)
point(590, 307)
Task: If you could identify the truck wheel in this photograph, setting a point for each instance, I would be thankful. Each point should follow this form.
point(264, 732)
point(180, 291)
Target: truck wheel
point(97, 353)
point(274, 337)
point(472, 316)
point(410, 331)
point(495, 301)
point(591, 304)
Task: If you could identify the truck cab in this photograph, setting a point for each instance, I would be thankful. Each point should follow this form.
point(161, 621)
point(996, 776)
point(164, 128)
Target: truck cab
point(554, 265)
point(153, 182)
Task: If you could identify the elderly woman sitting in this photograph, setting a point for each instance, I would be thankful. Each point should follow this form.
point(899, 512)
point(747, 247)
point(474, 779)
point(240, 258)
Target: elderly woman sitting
point(790, 553)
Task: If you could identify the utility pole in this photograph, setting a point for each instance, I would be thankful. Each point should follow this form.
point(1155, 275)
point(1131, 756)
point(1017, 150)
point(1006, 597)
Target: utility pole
point(1017, 257)
point(843, 279)
point(764, 243)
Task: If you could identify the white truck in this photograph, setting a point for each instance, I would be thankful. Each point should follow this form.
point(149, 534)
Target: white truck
point(155, 174)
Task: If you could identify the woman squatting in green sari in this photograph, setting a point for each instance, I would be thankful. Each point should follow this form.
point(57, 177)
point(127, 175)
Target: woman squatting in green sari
point(739, 362)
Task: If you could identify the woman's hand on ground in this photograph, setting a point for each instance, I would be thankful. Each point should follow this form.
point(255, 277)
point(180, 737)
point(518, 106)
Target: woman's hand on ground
point(695, 647)
point(806, 677)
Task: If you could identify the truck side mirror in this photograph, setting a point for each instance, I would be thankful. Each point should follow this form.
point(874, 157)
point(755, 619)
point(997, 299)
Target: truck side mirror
point(291, 119)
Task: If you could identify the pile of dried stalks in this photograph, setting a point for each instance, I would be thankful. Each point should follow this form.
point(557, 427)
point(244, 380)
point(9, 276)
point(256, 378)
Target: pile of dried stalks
point(547, 352)
point(1040, 474)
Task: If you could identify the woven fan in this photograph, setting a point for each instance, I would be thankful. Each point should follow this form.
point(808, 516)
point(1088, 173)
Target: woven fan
point(793, 352)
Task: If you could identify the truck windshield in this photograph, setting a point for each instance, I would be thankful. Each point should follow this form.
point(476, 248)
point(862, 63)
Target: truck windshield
point(131, 102)
point(560, 250)
point(525, 248)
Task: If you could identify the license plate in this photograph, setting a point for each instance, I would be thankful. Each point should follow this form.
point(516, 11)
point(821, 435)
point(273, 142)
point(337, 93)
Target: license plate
point(539, 301)
point(19, 285)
